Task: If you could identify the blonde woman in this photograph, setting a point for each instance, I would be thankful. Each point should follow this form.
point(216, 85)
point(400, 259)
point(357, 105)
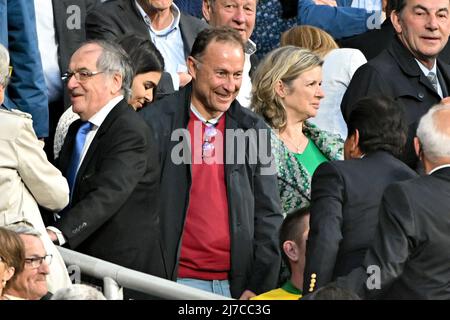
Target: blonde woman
point(287, 92)
point(338, 69)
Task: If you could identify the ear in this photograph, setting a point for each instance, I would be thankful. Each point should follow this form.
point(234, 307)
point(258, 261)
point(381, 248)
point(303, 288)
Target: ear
point(9, 272)
point(418, 147)
point(351, 146)
point(395, 19)
point(192, 69)
point(280, 89)
point(116, 83)
point(206, 7)
point(290, 248)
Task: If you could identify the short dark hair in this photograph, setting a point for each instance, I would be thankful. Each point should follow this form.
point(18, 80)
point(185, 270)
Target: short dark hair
point(291, 229)
point(381, 125)
point(397, 5)
point(331, 292)
point(219, 34)
point(144, 55)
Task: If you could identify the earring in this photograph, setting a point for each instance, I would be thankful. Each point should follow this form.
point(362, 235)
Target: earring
point(3, 283)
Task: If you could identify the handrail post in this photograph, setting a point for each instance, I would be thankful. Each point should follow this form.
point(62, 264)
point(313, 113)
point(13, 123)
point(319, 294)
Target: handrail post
point(111, 289)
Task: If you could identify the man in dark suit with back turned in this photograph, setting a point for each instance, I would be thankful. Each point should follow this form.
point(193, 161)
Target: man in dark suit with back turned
point(113, 212)
point(402, 71)
point(346, 194)
point(410, 257)
point(172, 32)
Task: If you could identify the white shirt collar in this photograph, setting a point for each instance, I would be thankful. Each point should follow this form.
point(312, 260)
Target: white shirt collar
point(98, 118)
point(250, 47)
point(175, 21)
point(439, 167)
point(424, 69)
point(212, 122)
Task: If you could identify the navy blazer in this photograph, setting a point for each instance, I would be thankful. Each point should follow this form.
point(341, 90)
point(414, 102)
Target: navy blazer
point(27, 90)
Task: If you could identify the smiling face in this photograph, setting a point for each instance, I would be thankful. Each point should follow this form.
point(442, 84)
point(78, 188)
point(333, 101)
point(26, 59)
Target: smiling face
point(31, 283)
point(88, 96)
point(423, 27)
point(302, 97)
point(142, 88)
point(217, 77)
point(237, 14)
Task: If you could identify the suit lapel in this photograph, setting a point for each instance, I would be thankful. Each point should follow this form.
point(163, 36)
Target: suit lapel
point(65, 154)
point(109, 120)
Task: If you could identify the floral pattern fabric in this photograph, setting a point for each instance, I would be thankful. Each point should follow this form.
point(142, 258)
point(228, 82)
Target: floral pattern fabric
point(294, 181)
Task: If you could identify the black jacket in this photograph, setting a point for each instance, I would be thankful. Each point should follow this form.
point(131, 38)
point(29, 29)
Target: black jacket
point(253, 199)
point(395, 73)
point(346, 196)
point(410, 251)
point(114, 210)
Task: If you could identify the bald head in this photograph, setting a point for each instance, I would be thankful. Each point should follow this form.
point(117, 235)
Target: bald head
point(433, 135)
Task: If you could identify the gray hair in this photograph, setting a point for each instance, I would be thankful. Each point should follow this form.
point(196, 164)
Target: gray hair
point(23, 227)
point(114, 59)
point(4, 65)
point(78, 292)
point(434, 135)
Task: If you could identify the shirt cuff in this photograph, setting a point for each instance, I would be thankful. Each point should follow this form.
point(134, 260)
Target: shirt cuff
point(59, 235)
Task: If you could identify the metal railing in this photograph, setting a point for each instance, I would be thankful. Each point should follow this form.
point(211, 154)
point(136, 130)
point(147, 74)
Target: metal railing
point(114, 277)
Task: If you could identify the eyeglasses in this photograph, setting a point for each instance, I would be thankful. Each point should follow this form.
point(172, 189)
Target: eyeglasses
point(81, 75)
point(208, 146)
point(36, 262)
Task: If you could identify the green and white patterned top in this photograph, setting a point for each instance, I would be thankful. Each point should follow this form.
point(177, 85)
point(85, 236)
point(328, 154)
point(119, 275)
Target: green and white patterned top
point(294, 181)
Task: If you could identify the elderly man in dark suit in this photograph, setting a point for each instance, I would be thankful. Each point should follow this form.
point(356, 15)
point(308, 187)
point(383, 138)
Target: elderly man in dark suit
point(110, 161)
point(410, 257)
point(404, 70)
point(346, 194)
point(172, 31)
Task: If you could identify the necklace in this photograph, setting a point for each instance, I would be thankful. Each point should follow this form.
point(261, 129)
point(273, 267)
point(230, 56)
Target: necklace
point(298, 147)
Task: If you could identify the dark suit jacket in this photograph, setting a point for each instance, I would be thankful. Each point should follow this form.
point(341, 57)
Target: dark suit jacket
point(395, 73)
point(114, 212)
point(411, 243)
point(116, 18)
point(373, 42)
point(252, 193)
point(344, 214)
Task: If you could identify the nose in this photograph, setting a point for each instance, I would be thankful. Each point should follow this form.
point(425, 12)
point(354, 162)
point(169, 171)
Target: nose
point(432, 22)
point(231, 84)
point(44, 268)
point(319, 92)
point(72, 83)
point(239, 16)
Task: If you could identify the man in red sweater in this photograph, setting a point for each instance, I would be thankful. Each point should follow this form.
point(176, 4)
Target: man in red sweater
point(220, 205)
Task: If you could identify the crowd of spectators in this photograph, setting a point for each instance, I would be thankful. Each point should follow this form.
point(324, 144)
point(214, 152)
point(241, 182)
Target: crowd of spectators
point(255, 149)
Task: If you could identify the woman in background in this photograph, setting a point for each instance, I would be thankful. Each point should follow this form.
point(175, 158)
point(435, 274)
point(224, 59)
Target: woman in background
point(287, 92)
point(338, 69)
point(12, 258)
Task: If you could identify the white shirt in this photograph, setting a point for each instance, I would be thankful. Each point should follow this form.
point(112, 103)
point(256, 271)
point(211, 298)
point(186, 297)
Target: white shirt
point(169, 43)
point(245, 92)
point(438, 168)
point(48, 48)
point(425, 71)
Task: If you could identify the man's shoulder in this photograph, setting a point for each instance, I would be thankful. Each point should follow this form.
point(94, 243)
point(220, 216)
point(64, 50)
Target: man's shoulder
point(192, 22)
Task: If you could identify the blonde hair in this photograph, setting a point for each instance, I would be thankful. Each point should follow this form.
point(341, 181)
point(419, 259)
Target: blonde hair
point(283, 64)
point(309, 37)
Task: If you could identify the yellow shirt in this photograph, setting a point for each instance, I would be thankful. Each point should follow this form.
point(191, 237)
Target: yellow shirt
point(286, 292)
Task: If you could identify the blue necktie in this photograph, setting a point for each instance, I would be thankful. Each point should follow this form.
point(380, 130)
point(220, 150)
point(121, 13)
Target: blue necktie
point(76, 155)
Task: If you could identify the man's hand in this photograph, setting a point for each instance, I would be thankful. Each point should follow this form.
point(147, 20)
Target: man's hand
point(52, 236)
point(247, 294)
point(331, 3)
point(185, 78)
